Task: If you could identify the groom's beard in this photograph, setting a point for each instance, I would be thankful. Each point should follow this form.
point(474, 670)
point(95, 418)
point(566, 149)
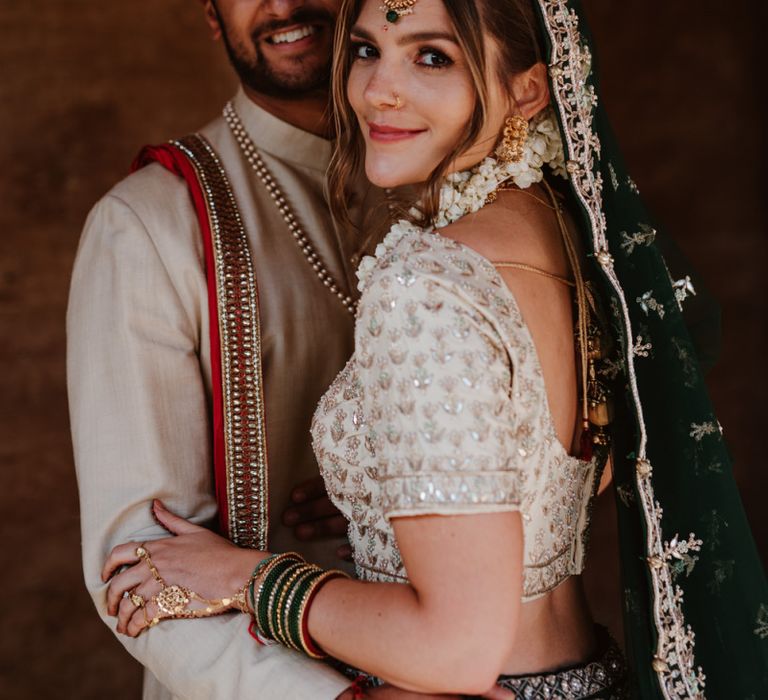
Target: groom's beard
point(303, 74)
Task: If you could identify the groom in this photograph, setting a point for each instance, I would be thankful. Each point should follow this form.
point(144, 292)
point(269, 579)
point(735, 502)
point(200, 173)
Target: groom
point(211, 306)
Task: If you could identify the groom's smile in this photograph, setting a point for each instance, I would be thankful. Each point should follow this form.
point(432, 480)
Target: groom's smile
point(279, 47)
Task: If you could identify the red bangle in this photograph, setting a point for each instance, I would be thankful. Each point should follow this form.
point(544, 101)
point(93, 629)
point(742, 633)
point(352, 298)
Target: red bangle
point(309, 644)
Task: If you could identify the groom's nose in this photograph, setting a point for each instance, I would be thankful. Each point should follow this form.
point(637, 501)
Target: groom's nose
point(283, 8)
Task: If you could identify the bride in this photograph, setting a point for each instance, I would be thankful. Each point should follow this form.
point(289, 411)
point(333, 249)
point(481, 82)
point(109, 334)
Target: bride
point(467, 439)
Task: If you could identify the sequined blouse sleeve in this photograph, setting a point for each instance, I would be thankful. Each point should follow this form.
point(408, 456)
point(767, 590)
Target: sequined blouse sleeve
point(436, 383)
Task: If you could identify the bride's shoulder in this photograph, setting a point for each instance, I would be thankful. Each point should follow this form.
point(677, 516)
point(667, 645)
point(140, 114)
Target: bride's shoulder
point(423, 278)
point(410, 256)
point(518, 230)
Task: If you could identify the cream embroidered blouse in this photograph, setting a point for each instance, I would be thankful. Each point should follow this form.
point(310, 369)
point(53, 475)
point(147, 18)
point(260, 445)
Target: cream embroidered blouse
point(442, 409)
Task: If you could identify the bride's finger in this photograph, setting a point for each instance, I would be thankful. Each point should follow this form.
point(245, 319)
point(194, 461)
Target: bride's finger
point(125, 611)
point(172, 522)
point(121, 555)
point(125, 581)
point(136, 601)
point(139, 621)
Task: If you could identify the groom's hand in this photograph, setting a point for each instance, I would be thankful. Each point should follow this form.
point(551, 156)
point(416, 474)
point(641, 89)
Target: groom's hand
point(312, 515)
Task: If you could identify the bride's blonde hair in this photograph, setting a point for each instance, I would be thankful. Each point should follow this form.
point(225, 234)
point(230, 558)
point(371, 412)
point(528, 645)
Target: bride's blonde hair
point(511, 24)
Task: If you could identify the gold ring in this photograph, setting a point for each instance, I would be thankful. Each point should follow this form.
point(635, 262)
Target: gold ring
point(137, 600)
point(141, 552)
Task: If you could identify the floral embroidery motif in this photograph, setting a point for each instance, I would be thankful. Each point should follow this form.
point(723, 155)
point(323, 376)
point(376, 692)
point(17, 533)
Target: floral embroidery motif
point(645, 236)
point(699, 431)
point(685, 564)
point(679, 549)
point(626, 494)
point(630, 602)
point(641, 349)
point(722, 570)
point(683, 287)
point(611, 368)
point(613, 176)
point(648, 304)
point(761, 627)
point(714, 524)
point(715, 467)
point(687, 362)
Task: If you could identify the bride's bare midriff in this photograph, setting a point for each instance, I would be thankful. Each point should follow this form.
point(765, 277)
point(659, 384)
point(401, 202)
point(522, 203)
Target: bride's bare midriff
point(553, 631)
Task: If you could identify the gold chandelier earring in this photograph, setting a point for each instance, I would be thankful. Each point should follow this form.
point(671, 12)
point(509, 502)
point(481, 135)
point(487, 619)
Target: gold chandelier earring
point(515, 134)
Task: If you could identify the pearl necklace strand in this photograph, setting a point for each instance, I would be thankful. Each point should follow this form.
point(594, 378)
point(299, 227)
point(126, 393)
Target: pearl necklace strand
point(258, 165)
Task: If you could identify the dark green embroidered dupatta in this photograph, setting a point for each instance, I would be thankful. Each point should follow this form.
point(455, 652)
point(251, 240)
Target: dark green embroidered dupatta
point(695, 594)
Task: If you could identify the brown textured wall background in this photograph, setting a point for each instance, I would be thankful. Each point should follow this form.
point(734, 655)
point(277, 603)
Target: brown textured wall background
point(83, 84)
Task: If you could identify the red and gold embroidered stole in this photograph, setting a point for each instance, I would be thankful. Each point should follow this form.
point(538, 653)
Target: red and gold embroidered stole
point(239, 426)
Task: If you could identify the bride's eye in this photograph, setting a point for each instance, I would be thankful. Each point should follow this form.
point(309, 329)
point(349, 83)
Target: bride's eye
point(432, 58)
point(362, 51)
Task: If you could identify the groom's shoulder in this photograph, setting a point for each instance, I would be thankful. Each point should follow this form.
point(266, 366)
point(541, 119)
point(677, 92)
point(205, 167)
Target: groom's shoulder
point(151, 198)
point(150, 204)
point(154, 190)
point(152, 186)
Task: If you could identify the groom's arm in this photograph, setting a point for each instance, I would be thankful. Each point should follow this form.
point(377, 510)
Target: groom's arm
point(140, 426)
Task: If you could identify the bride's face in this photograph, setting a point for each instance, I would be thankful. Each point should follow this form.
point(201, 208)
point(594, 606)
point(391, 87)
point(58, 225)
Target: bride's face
point(412, 92)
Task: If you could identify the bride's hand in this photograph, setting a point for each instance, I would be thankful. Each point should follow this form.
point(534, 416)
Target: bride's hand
point(194, 557)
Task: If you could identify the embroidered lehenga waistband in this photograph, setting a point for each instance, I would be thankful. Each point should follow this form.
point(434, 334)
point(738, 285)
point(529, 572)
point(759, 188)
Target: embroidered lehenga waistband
point(601, 679)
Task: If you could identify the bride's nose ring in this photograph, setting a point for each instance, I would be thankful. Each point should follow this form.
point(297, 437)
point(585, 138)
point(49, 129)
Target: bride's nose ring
point(398, 102)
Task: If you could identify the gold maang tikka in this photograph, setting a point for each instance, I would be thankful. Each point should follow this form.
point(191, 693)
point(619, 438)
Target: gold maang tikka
point(395, 9)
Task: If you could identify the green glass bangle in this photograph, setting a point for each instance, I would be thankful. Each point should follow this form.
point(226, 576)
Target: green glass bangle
point(286, 589)
point(272, 572)
point(252, 581)
point(268, 575)
point(272, 597)
point(294, 614)
point(290, 609)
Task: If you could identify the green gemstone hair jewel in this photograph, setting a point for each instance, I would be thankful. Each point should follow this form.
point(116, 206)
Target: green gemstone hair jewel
point(395, 9)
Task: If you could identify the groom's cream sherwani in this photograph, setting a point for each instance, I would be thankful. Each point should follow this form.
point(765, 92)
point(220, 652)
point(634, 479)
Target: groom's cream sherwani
point(140, 386)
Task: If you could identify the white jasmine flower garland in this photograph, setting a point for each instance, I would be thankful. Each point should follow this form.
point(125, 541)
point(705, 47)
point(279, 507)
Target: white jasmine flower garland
point(467, 191)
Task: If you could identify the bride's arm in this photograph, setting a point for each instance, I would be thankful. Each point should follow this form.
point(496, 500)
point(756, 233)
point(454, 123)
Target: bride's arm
point(448, 631)
point(451, 629)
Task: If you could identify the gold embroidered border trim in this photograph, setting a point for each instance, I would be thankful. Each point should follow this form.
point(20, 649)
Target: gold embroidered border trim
point(240, 336)
point(575, 98)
